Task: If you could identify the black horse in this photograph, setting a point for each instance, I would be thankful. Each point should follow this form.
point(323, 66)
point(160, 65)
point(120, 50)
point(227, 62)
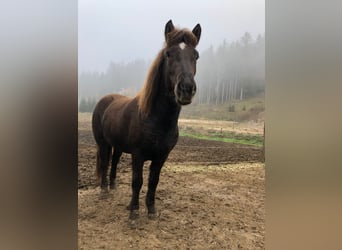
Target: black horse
point(146, 126)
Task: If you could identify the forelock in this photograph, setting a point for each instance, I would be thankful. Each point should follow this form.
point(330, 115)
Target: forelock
point(177, 36)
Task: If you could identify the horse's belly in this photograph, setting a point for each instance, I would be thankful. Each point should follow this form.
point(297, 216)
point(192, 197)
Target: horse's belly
point(121, 144)
point(151, 145)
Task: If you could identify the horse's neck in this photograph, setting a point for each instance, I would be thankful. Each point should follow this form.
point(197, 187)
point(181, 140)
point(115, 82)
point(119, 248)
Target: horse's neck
point(165, 109)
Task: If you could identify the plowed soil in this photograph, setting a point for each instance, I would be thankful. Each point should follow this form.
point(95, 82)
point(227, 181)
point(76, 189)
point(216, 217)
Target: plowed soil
point(211, 195)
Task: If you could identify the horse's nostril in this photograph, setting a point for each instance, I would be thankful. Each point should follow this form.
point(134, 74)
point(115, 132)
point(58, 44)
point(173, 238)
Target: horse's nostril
point(191, 89)
point(180, 87)
point(186, 88)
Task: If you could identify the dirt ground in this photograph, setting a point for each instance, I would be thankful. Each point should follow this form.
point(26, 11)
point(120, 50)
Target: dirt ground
point(211, 195)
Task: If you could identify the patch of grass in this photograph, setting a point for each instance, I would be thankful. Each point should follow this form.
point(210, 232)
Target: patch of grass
point(255, 140)
point(244, 110)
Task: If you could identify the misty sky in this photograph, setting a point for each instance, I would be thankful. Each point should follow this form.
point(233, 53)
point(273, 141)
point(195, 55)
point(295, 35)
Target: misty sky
point(125, 30)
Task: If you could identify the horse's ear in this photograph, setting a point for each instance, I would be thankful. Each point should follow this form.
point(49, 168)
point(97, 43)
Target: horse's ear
point(197, 32)
point(168, 28)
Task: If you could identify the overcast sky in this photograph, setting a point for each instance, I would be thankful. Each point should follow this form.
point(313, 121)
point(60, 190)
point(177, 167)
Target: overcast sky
point(125, 30)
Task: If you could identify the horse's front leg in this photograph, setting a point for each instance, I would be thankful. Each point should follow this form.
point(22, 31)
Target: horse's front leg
point(137, 181)
point(153, 180)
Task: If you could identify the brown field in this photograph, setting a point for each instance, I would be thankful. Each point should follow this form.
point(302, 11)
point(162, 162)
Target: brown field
point(211, 195)
point(203, 126)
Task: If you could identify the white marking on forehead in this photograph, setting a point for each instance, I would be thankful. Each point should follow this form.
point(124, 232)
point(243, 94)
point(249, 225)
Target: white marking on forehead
point(182, 45)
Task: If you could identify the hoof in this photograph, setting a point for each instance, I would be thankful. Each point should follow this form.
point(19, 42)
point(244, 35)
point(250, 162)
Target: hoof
point(151, 210)
point(134, 214)
point(152, 216)
point(104, 193)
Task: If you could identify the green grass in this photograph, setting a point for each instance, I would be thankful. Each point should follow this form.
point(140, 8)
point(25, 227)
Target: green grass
point(255, 140)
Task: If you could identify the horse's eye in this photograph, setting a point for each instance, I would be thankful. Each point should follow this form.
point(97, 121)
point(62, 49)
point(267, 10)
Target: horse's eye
point(167, 54)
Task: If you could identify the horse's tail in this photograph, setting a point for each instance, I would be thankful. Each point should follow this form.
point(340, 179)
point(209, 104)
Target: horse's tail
point(97, 127)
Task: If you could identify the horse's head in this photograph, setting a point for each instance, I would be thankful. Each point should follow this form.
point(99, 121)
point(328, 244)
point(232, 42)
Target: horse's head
point(181, 56)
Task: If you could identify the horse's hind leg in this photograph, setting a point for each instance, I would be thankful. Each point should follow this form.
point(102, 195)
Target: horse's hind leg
point(115, 160)
point(104, 152)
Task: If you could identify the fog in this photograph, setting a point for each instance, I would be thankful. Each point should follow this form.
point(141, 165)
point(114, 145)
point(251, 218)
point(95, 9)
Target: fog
point(123, 31)
point(118, 40)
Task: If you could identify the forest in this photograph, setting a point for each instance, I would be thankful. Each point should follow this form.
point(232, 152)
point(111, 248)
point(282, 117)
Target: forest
point(231, 71)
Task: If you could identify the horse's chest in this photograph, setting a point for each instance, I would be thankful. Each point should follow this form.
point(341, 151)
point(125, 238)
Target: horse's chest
point(159, 142)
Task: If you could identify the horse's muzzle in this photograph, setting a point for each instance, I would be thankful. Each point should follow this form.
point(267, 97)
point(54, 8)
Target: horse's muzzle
point(185, 91)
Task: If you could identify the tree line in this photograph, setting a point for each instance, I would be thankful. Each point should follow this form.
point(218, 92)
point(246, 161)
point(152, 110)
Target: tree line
point(232, 71)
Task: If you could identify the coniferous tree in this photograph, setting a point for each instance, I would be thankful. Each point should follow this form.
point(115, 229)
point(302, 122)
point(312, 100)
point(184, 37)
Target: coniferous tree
point(229, 72)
